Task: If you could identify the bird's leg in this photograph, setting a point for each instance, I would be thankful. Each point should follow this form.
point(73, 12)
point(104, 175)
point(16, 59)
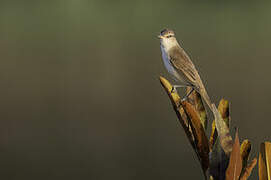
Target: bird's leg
point(174, 87)
point(188, 94)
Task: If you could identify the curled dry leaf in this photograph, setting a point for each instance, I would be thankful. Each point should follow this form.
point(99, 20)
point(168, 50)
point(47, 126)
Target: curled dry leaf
point(224, 109)
point(245, 150)
point(235, 165)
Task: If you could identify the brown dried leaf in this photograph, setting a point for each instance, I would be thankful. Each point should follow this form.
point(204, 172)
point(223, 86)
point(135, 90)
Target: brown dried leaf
point(223, 132)
point(175, 100)
point(191, 123)
point(245, 150)
point(265, 161)
point(223, 108)
point(249, 169)
point(196, 101)
point(235, 166)
point(201, 140)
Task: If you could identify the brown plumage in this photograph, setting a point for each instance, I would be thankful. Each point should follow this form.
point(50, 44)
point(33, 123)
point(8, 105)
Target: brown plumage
point(182, 63)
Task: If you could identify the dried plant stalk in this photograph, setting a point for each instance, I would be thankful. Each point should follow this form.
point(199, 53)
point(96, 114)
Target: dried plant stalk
point(191, 122)
point(219, 157)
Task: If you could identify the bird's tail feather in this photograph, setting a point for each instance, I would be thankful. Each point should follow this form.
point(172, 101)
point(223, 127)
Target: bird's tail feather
point(206, 97)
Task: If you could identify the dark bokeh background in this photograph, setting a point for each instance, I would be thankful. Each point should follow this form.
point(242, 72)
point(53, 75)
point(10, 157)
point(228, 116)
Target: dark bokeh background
point(79, 90)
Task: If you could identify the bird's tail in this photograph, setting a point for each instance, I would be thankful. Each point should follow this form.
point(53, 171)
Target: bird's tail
point(206, 97)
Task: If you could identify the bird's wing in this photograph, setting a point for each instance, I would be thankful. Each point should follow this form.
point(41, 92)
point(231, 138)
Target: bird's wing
point(181, 61)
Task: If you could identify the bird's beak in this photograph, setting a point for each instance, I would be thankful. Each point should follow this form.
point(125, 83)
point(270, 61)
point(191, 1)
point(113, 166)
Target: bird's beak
point(160, 37)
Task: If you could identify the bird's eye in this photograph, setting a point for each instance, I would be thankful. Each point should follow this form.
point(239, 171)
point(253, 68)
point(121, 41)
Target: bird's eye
point(169, 36)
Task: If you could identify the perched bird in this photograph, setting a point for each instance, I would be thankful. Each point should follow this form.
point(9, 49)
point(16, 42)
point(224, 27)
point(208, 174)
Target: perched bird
point(180, 66)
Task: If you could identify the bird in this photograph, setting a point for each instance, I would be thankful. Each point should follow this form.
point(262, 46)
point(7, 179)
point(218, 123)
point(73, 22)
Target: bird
point(180, 66)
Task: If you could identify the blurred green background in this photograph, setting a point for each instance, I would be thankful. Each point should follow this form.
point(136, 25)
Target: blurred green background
point(80, 96)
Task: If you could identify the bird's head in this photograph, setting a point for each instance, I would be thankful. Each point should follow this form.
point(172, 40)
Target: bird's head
point(167, 38)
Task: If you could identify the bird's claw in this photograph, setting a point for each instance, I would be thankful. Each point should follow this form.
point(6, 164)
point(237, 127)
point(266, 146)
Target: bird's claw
point(184, 99)
point(179, 105)
point(173, 90)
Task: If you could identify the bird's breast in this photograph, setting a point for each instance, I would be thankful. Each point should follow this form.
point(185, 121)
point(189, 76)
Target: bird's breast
point(169, 66)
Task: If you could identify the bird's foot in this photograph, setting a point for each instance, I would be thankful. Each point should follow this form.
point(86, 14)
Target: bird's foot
point(174, 89)
point(184, 98)
point(179, 105)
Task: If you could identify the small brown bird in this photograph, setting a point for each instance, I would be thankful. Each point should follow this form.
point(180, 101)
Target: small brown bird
point(180, 66)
